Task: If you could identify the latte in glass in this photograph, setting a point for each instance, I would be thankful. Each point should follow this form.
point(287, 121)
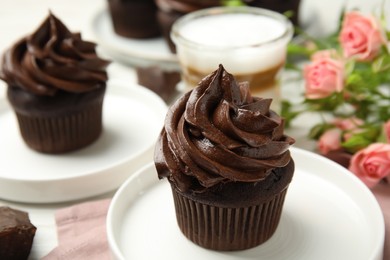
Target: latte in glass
point(249, 42)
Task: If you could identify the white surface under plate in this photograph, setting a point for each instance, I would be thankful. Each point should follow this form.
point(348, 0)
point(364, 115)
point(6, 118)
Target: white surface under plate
point(328, 214)
point(132, 119)
point(138, 52)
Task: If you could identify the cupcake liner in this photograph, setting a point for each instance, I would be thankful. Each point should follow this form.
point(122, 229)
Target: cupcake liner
point(134, 19)
point(60, 134)
point(228, 229)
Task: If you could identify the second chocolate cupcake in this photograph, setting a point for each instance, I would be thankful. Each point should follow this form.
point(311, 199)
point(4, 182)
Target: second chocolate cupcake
point(56, 85)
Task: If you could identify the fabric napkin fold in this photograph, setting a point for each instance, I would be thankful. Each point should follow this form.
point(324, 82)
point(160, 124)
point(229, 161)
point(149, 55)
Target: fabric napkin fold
point(81, 231)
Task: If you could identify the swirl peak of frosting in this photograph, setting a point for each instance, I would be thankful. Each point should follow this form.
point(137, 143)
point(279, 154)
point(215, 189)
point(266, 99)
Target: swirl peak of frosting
point(219, 133)
point(52, 59)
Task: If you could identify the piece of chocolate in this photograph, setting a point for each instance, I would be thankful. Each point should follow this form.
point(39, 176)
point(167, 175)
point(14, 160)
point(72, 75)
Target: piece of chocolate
point(163, 83)
point(16, 234)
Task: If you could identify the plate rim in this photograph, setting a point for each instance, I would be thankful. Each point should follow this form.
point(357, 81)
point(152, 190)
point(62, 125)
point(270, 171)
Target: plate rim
point(103, 13)
point(376, 251)
point(117, 88)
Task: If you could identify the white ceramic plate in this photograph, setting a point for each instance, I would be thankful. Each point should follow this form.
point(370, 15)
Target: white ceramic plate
point(132, 116)
point(328, 214)
point(139, 52)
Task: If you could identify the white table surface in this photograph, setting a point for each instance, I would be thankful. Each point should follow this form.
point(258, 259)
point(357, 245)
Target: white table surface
point(21, 17)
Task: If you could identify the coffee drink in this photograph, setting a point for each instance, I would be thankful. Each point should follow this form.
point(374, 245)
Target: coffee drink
point(249, 42)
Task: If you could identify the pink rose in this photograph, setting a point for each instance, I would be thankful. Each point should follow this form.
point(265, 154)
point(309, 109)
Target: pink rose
point(361, 36)
point(349, 126)
point(372, 163)
point(348, 123)
point(386, 128)
point(324, 76)
point(329, 141)
point(324, 54)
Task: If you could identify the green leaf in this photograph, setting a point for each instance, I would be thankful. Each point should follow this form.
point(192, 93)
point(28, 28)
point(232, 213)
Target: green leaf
point(356, 143)
point(329, 104)
point(296, 53)
point(298, 49)
point(364, 79)
point(372, 132)
point(367, 135)
point(383, 113)
point(354, 79)
point(232, 3)
point(287, 113)
point(382, 137)
point(289, 13)
point(381, 64)
point(317, 130)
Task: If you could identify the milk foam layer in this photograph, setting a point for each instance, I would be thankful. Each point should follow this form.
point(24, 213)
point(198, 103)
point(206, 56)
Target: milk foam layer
point(242, 42)
point(228, 30)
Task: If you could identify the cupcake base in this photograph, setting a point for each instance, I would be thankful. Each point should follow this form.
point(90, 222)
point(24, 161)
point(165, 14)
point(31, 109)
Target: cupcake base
point(134, 19)
point(62, 134)
point(228, 229)
point(234, 221)
point(58, 124)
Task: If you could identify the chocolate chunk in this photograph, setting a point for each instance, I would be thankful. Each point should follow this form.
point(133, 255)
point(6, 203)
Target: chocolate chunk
point(16, 234)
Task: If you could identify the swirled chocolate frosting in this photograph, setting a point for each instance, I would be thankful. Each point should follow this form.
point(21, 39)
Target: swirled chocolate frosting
point(219, 133)
point(53, 59)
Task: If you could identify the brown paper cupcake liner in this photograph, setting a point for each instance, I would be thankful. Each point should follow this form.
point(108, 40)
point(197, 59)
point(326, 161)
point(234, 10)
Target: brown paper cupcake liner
point(228, 229)
point(134, 19)
point(60, 134)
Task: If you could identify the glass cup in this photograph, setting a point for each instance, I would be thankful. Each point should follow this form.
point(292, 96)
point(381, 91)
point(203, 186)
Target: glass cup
point(249, 42)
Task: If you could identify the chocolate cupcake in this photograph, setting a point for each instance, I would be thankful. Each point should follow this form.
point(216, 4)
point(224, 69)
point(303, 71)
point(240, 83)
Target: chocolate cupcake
point(134, 18)
point(170, 10)
point(227, 160)
point(56, 85)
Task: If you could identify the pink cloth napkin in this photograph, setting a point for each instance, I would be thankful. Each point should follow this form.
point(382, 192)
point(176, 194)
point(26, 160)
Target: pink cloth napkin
point(81, 231)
